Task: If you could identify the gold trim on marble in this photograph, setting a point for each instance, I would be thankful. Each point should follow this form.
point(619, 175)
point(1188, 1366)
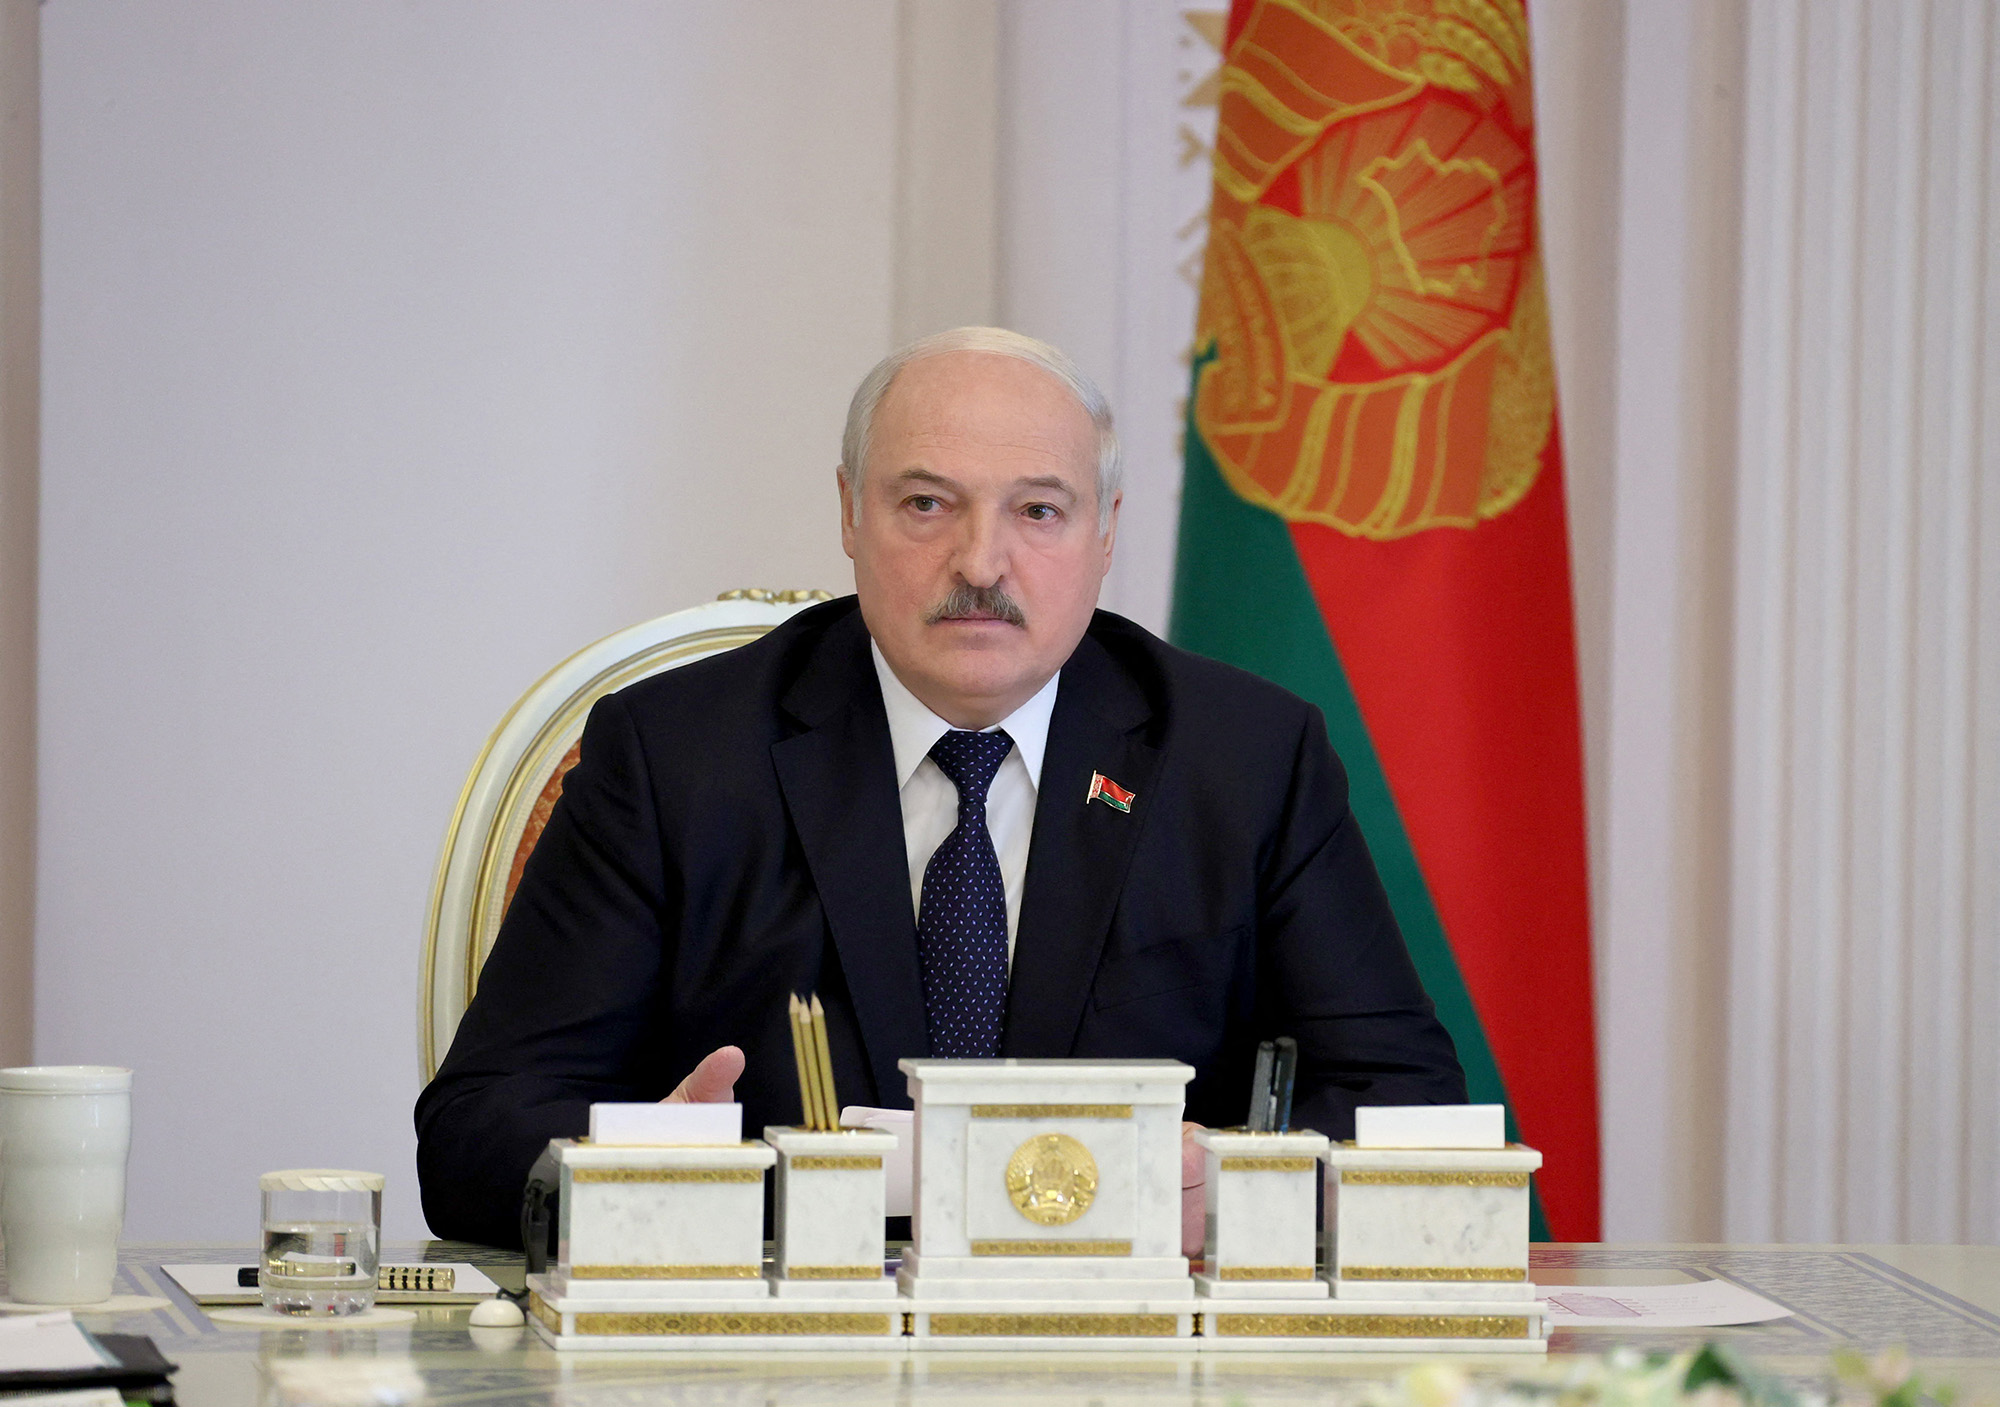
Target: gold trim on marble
point(1372, 1326)
point(1411, 1177)
point(1262, 1164)
point(833, 1162)
point(666, 1174)
point(1146, 1326)
point(1052, 1248)
point(833, 1272)
point(1491, 1274)
point(1051, 1111)
point(539, 1307)
point(1265, 1272)
point(665, 1272)
point(851, 1325)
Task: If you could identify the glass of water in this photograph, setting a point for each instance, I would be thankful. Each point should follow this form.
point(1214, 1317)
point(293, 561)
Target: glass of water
point(322, 1240)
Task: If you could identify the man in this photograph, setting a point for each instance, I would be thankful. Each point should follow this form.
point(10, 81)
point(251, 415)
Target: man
point(974, 814)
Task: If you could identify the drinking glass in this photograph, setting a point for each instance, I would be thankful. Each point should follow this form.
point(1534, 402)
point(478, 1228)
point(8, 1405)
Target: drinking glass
point(322, 1240)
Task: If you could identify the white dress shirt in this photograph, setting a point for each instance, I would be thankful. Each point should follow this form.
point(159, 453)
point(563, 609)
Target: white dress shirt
point(930, 801)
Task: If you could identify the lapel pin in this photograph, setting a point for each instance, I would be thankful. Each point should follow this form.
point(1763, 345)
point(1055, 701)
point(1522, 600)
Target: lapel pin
point(1103, 789)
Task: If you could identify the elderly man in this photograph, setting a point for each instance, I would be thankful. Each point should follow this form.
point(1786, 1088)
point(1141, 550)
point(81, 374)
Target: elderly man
point(972, 812)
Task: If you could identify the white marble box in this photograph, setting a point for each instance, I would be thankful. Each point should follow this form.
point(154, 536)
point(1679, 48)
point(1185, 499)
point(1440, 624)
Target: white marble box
point(1429, 1224)
point(1262, 1221)
point(647, 1322)
point(683, 1220)
point(1047, 1179)
point(831, 1191)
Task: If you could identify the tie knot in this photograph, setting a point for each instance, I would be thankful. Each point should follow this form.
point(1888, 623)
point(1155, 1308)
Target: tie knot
point(970, 760)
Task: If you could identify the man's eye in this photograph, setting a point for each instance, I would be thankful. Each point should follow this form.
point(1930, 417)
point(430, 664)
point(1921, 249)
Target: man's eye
point(924, 503)
point(1042, 512)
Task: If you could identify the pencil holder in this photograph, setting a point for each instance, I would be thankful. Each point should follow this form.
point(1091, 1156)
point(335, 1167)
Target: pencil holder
point(831, 1191)
point(1262, 1196)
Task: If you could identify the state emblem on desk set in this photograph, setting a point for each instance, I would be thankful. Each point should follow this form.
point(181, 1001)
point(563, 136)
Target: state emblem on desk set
point(1046, 1215)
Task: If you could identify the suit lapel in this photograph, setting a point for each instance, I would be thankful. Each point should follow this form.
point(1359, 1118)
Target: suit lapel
point(1080, 852)
point(839, 780)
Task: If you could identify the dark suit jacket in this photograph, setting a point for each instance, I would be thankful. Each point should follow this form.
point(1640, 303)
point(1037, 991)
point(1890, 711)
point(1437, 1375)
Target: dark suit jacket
point(733, 834)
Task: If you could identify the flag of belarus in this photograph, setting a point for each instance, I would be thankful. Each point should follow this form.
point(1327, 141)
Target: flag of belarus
point(1103, 789)
point(1373, 506)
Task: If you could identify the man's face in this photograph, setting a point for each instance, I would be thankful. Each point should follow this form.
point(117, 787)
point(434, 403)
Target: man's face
point(977, 558)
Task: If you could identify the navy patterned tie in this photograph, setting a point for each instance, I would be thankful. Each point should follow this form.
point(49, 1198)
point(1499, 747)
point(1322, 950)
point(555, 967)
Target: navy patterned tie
point(962, 921)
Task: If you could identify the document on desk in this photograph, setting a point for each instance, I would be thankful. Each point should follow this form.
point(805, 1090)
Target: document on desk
point(44, 1343)
point(898, 1172)
point(1704, 1304)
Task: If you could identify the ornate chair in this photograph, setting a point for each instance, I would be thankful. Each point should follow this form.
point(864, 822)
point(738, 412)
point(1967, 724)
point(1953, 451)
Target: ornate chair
point(519, 775)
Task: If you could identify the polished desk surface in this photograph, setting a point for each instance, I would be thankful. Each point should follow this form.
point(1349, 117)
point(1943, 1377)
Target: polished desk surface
point(1941, 1302)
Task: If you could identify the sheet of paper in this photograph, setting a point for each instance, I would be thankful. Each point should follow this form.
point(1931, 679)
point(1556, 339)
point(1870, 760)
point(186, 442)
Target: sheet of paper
point(898, 1198)
point(666, 1123)
point(216, 1284)
point(31, 1343)
point(1704, 1304)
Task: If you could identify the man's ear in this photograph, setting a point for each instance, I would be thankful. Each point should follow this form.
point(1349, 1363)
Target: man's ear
point(847, 502)
point(1111, 531)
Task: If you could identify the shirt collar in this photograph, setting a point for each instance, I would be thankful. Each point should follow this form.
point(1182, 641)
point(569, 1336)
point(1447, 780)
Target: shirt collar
point(914, 729)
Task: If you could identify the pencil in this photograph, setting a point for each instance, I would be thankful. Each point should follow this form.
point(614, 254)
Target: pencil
point(816, 1108)
point(832, 1105)
point(798, 1012)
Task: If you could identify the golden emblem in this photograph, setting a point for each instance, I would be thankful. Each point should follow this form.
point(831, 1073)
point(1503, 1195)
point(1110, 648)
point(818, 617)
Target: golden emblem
point(1373, 290)
point(1051, 1179)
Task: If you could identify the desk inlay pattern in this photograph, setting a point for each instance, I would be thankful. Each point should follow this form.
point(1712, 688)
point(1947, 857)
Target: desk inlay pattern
point(1836, 1296)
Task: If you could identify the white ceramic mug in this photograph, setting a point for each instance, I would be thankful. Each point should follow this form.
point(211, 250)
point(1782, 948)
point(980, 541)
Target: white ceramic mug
point(64, 1133)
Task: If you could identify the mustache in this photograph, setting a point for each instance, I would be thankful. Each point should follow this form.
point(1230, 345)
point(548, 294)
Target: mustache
point(977, 602)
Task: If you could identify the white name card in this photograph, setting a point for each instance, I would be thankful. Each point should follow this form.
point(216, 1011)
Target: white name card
point(1431, 1126)
point(666, 1123)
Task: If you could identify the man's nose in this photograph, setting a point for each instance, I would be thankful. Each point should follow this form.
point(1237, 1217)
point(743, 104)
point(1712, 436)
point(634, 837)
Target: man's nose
point(981, 558)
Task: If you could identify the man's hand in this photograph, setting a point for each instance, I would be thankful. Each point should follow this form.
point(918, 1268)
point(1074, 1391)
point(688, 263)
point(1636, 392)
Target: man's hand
point(1194, 1177)
point(711, 1082)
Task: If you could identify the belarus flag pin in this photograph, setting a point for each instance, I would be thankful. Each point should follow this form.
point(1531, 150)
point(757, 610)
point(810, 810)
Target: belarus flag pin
point(1103, 789)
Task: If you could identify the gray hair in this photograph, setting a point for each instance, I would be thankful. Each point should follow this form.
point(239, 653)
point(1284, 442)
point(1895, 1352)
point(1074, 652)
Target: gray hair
point(998, 341)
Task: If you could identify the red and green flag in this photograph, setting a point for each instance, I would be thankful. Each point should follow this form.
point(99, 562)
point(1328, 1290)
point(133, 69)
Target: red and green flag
point(1373, 506)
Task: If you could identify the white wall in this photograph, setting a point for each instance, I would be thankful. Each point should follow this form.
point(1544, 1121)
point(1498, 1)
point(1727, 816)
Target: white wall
point(392, 352)
point(20, 310)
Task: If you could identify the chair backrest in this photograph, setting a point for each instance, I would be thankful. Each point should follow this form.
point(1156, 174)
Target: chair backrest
point(519, 775)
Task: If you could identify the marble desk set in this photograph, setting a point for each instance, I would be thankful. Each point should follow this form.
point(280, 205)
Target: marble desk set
point(1046, 1215)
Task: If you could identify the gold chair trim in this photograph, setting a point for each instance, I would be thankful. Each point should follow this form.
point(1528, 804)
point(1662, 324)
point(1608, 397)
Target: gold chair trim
point(833, 1272)
point(1264, 1164)
point(833, 1162)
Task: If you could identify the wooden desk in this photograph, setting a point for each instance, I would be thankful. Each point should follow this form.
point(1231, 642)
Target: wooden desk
point(1942, 1302)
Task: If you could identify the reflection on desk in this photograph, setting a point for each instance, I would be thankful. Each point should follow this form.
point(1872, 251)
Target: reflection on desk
point(1939, 1301)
